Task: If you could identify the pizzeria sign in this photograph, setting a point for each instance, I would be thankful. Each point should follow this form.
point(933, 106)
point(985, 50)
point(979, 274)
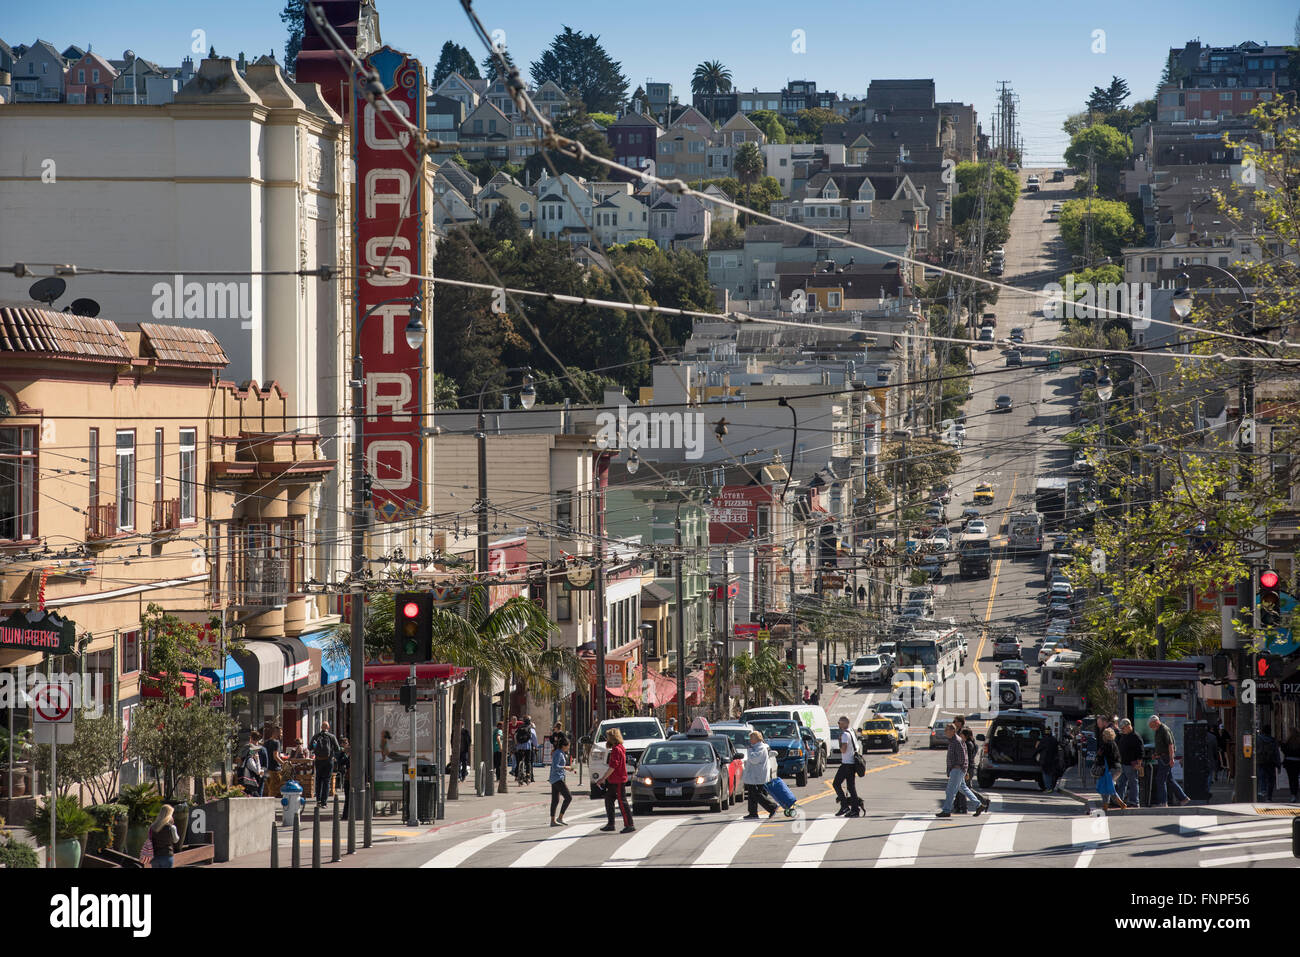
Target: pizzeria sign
point(38, 631)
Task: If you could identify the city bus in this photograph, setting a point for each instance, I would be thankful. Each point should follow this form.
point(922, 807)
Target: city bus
point(938, 652)
point(1058, 686)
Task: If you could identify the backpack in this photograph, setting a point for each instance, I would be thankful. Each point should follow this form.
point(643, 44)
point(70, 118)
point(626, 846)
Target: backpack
point(322, 746)
point(522, 736)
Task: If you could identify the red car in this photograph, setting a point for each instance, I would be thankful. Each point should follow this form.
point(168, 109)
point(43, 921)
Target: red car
point(735, 760)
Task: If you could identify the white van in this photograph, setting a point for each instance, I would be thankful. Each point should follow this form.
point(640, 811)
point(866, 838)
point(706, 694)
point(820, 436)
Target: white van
point(812, 716)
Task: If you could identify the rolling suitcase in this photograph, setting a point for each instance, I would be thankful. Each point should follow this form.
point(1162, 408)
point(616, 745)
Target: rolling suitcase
point(781, 793)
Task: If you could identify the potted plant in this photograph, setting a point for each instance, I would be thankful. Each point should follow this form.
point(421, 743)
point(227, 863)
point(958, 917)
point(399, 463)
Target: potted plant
point(15, 855)
point(72, 825)
point(110, 820)
point(142, 803)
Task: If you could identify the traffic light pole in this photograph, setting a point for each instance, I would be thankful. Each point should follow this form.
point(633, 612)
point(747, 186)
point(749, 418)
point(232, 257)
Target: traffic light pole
point(412, 815)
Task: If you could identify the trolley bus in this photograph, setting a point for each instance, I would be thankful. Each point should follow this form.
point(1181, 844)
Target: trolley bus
point(1058, 688)
point(938, 652)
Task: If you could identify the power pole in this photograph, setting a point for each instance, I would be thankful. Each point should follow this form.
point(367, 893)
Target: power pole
point(725, 678)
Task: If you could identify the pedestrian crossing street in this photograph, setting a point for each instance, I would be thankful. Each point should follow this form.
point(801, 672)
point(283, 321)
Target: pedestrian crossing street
point(880, 839)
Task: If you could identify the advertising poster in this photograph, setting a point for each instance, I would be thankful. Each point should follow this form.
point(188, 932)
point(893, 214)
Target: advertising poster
point(391, 743)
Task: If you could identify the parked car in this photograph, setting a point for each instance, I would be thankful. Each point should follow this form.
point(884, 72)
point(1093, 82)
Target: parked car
point(1058, 176)
point(680, 773)
point(1048, 649)
point(937, 513)
point(1080, 463)
point(932, 566)
point(996, 269)
point(878, 733)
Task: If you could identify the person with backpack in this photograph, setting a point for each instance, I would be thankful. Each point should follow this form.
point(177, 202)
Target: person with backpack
point(323, 748)
point(525, 738)
point(252, 774)
point(1269, 760)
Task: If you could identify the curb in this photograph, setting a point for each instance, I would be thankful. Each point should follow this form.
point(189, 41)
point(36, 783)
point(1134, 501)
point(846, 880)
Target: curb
point(1088, 803)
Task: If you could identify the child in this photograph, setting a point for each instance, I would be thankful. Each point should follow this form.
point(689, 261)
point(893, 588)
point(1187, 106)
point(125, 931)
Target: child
point(560, 764)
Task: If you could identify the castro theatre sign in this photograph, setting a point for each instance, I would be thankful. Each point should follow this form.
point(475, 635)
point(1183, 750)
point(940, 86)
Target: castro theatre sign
point(389, 226)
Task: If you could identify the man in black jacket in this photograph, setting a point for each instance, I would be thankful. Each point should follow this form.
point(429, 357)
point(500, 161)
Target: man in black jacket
point(1048, 756)
point(1130, 757)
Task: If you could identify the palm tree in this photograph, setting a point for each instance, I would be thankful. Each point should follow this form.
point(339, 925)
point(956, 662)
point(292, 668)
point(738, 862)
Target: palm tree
point(711, 77)
point(748, 164)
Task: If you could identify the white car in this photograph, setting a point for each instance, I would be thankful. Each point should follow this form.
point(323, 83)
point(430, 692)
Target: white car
point(868, 670)
point(1047, 650)
point(637, 733)
point(977, 526)
point(1006, 648)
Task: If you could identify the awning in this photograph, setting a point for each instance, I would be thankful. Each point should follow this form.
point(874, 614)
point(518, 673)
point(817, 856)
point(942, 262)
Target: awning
point(336, 661)
point(228, 678)
point(399, 673)
point(661, 688)
point(150, 688)
point(1140, 669)
point(275, 665)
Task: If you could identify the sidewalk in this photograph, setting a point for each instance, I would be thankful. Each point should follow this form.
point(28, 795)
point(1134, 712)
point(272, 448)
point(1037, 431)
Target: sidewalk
point(1221, 802)
point(468, 809)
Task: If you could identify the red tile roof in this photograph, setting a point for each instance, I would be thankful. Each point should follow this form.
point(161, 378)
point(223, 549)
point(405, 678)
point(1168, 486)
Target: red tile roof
point(40, 331)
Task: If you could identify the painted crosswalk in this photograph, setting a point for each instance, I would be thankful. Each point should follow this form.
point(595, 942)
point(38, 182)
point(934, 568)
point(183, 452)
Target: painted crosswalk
point(881, 839)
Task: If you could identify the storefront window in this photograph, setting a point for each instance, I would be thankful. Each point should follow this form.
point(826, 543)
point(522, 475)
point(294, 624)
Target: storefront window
point(129, 646)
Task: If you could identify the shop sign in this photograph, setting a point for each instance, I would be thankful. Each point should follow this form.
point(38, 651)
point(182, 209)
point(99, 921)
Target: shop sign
point(38, 631)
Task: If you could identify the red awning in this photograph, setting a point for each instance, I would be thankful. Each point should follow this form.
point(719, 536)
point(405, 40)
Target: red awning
point(149, 687)
point(662, 689)
point(399, 673)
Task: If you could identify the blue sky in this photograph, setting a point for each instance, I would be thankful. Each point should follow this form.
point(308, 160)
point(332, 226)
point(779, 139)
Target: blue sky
point(1044, 50)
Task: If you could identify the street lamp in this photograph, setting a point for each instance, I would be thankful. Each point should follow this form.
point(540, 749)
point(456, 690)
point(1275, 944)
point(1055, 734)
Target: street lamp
point(527, 397)
point(1105, 388)
point(359, 522)
point(633, 462)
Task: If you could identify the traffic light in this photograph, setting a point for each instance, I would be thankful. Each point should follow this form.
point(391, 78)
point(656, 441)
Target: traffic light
point(412, 627)
point(1268, 667)
point(1270, 611)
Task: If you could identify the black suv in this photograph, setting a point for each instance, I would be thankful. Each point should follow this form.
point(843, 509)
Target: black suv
point(1009, 746)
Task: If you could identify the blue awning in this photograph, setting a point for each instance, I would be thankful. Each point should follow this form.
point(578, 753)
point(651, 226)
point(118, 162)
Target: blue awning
point(334, 666)
point(229, 678)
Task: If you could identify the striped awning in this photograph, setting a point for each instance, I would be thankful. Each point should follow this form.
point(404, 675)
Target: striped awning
point(1140, 669)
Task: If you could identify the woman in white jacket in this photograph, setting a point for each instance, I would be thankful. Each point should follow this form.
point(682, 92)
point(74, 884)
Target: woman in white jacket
point(755, 776)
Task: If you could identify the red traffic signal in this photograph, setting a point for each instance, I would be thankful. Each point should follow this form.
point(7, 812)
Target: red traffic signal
point(1269, 667)
point(1268, 579)
point(1270, 612)
point(413, 628)
point(411, 610)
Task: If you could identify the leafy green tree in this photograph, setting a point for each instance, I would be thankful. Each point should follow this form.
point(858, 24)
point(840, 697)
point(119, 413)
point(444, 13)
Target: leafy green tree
point(555, 389)
point(492, 69)
point(1110, 150)
point(748, 163)
point(444, 392)
point(505, 224)
point(711, 77)
point(814, 121)
point(577, 61)
point(770, 124)
point(92, 761)
point(292, 18)
point(1113, 226)
point(454, 58)
point(1109, 99)
point(725, 234)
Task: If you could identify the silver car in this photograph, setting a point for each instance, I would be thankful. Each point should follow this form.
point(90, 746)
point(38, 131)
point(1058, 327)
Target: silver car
point(938, 737)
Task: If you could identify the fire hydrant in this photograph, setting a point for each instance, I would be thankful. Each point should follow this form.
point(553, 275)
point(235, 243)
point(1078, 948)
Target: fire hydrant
point(291, 800)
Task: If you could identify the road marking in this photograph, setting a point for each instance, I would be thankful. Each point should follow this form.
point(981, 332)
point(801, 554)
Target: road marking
point(638, 847)
point(1267, 832)
point(1089, 833)
point(1232, 847)
point(904, 842)
point(1191, 824)
point(998, 835)
point(816, 841)
point(1246, 859)
point(550, 848)
point(457, 855)
point(857, 721)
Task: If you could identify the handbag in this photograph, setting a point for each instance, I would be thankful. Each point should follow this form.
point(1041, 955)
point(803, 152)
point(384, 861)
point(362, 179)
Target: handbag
point(859, 764)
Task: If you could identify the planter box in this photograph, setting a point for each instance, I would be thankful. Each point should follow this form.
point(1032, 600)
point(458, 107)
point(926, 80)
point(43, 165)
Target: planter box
point(238, 826)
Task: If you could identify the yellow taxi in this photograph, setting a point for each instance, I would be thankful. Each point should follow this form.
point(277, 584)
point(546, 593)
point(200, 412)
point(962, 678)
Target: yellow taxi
point(912, 684)
point(983, 492)
point(877, 732)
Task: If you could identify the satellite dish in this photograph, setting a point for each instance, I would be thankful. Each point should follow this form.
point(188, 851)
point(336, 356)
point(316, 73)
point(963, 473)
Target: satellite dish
point(85, 307)
point(47, 290)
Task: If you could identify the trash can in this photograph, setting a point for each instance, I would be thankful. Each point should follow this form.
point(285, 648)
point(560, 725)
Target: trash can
point(830, 670)
point(845, 668)
point(1145, 782)
point(426, 785)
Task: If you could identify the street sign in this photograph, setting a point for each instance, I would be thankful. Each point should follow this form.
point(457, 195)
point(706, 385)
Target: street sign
point(52, 706)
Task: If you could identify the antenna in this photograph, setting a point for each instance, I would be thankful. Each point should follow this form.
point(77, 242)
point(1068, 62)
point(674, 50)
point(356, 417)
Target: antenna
point(47, 290)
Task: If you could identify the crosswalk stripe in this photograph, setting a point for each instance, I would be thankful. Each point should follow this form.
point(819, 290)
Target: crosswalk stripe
point(998, 835)
point(724, 848)
point(550, 848)
point(638, 847)
point(1090, 833)
point(1266, 832)
point(904, 842)
point(454, 857)
point(1245, 859)
point(816, 841)
point(1191, 824)
point(1232, 847)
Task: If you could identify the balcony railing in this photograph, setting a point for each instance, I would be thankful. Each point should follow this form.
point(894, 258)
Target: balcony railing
point(101, 522)
point(166, 514)
point(260, 583)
